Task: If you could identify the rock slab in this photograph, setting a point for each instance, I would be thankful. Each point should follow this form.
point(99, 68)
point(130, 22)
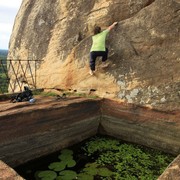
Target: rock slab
point(144, 48)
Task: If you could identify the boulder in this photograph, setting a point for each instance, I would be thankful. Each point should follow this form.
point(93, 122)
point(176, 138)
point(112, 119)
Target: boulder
point(144, 48)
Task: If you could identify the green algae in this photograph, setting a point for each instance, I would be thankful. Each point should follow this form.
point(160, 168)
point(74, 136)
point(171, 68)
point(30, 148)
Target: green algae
point(127, 160)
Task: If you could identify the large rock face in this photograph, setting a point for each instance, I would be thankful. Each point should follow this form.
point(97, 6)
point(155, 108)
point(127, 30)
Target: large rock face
point(144, 48)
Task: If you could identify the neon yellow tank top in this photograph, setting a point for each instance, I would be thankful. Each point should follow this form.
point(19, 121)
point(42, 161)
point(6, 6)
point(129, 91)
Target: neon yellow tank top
point(99, 41)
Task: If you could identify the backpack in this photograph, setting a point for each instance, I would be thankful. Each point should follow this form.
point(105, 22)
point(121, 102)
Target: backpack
point(26, 95)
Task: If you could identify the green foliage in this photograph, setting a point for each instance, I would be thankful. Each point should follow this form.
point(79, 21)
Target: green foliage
point(37, 92)
point(3, 57)
point(2, 75)
point(3, 83)
point(161, 161)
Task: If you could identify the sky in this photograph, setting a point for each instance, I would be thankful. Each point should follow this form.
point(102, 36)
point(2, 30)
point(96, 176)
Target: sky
point(8, 11)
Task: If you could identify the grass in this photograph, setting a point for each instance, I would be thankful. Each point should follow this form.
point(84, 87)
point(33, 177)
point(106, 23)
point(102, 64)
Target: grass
point(68, 94)
point(85, 95)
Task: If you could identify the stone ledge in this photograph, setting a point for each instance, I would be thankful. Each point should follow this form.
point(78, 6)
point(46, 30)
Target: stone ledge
point(172, 171)
point(149, 127)
point(7, 173)
point(28, 131)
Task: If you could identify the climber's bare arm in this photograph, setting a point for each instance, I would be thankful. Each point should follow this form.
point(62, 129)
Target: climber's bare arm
point(112, 26)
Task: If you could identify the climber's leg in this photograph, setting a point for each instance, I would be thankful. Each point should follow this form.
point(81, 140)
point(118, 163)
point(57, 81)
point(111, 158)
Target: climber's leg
point(104, 59)
point(93, 57)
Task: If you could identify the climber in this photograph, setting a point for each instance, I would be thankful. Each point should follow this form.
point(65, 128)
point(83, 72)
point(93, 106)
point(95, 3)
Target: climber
point(98, 47)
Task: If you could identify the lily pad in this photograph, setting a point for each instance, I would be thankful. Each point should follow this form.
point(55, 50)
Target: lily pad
point(66, 154)
point(67, 151)
point(47, 175)
point(67, 175)
point(64, 157)
point(57, 166)
point(90, 171)
point(70, 163)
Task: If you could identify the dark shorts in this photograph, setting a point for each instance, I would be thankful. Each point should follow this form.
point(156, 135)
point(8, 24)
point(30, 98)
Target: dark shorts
point(95, 54)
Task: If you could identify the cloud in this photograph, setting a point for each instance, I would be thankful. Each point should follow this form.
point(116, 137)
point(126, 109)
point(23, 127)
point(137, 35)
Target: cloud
point(5, 33)
point(10, 3)
point(6, 27)
point(8, 11)
point(7, 14)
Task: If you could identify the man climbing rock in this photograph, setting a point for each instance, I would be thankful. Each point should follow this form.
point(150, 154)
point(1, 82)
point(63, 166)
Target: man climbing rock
point(98, 47)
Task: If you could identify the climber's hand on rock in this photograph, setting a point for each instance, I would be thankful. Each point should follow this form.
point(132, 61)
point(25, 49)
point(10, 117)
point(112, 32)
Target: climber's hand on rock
point(115, 23)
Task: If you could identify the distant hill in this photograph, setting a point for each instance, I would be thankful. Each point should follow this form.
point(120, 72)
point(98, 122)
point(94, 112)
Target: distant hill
point(3, 54)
